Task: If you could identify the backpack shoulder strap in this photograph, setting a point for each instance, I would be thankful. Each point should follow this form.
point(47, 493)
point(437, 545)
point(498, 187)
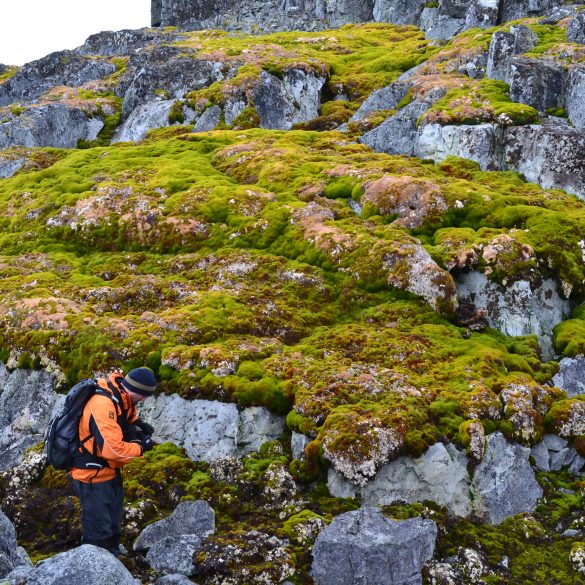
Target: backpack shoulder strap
point(117, 397)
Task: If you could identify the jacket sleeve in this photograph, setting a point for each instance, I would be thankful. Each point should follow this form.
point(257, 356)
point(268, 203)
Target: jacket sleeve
point(107, 433)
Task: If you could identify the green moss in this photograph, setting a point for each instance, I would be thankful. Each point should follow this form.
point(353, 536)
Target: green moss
point(176, 115)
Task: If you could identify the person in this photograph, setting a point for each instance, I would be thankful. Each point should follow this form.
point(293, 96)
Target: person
point(111, 435)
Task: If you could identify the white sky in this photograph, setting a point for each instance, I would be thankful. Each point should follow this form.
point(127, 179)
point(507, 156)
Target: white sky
point(31, 29)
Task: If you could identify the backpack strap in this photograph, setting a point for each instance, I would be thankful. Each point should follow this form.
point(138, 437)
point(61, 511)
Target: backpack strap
point(123, 416)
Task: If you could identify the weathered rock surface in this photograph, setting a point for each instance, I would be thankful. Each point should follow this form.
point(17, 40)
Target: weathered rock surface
point(298, 443)
point(209, 430)
point(174, 554)
point(61, 68)
point(441, 475)
point(11, 555)
point(517, 309)
point(367, 547)
point(174, 579)
point(58, 125)
point(504, 46)
point(86, 564)
point(571, 376)
point(9, 166)
point(23, 415)
point(124, 42)
point(504, 481)
point(576, 30)
point(148, 116)
point(537, 83)
point(189, 518)
point(575, 99)
point(386, 98)
point(554, 453)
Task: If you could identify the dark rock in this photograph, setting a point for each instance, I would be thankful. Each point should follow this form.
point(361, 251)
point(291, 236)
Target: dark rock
point(208, 119)
point(367, 547)
point(504, 482)
point(11, 555)
point(174, 554)
point(61, 68)
point(455, 8)
point(9, 166)
point(57, 124)
point(500, 53)
point(576, 30)
point(386, 98)
point(124, 42)
point(173, 68)
point(398, 11)
point(86, 564)
point(189, 518)
point(23, 415)
point(481, 14)
point(537, 83)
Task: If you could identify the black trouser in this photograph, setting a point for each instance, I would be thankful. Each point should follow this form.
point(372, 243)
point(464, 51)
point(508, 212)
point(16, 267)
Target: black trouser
point(101, 511)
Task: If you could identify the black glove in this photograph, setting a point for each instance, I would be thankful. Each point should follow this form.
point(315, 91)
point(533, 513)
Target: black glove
point(147, 444)
point(145, 427)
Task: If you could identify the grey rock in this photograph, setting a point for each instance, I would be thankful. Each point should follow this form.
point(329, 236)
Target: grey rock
point(175, 69)
point(441, 27)
point(10, 166)
point(174, 579)
point(482, 14)
point(557, 459)
point(174, 554)
point(537, 83)
point(517, 309)
point(233, 108)
point(124, 42)
point(504, 46)
point(397, 134)
point(366, 547)
point(298, 443)
point(86, 564)
point(339, 486)
point(479, 143)
point(571, 533)
point(209, 430)
point(554, 442)
point(60, 68)
point(23, 415)
point(576, 30)
point(455, 8)
point(11, 555)
point(504, 482)
point(189, 518)
point(475, 67)
point(147, 117)
point(398, 11)
point(304, 92)
point(440, 475)
point(540, 455)
point(551, 154)
point(575, 99)
point(571, 376)
point(578, 465)
point(525, 38)
point(208, 119)
point(57, 125)
point(386, 98)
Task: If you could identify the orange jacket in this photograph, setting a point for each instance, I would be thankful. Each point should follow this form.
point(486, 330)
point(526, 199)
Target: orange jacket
point(100, 421)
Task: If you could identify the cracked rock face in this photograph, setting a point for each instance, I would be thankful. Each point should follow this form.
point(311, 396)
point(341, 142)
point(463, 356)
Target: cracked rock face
point(11, 555)
point(366, 546)
point(571, 376)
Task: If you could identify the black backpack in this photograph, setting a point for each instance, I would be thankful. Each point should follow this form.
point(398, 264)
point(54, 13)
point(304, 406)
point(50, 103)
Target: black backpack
point(62, 436)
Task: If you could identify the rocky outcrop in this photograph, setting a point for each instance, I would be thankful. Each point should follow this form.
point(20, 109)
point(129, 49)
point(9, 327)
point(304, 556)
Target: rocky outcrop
point(439, 20)
point(571, 376)
point(554, 453)
point(23, 415)
point(365, 546)
point(58, 125)
point(502, 485)
point(574, 102)
point(209, 430)
point(10, 165)
point(576, 30)
point(124, 42)
point(504, 46)
point(174, 554)
point(61, 68)
point(86, 564)
point(11, 555)
point(518, 308)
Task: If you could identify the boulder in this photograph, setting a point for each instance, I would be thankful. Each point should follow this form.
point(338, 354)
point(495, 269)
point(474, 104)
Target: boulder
point(86, 564)
point(571, 376)
point(23, 415)
point(504, 483)
point(398, 11)
point(576, 30)
point(174, 554)
point(575, 100)
point(189, 518)
point(208, 119)
point(10, 165)
point(298, 444)
point(479, 143)
point(61, 68)
point(147, 117)
point(482, 14)
point(174, 579)
point(537, 83)
point(551, 154)
point(124, 42)
point(504, 46)
point(367, 547)
point(517, 309)
point(386, 98)
point(58, 125)
point(208, 429)
point(11, 555)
